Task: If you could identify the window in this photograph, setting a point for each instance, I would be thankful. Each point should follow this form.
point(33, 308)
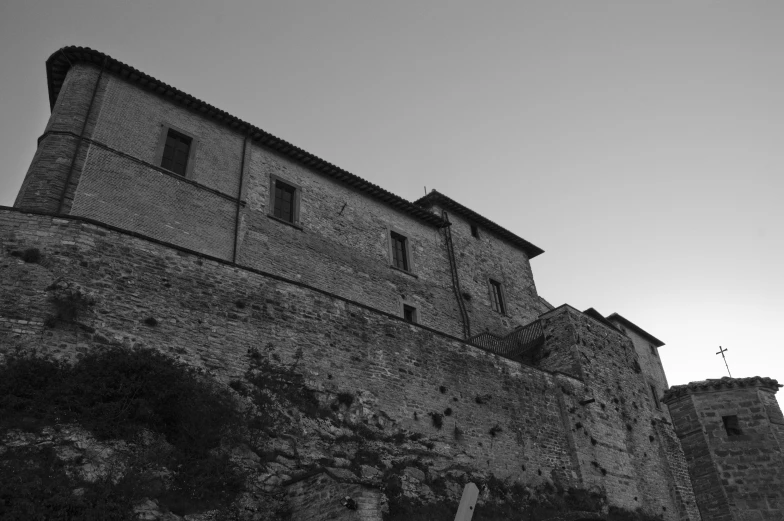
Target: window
point(176, 151)
point(655, 397)
point(475, 231)
point(409, 313)
point(653, 350)
point(731, 425)
point(399, 246)
point(497, 296)
point(284, 201)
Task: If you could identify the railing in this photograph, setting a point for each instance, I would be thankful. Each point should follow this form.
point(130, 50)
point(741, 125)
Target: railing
point(516, 344)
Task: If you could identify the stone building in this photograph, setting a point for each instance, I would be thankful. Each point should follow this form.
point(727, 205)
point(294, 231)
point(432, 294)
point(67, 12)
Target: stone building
point(161, 205)
point(732, 431)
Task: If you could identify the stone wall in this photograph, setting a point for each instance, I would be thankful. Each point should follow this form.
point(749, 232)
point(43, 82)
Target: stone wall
point(321, 496)
point(735, 477)
point(621, 439)
point(651, 365)
point(517, 422)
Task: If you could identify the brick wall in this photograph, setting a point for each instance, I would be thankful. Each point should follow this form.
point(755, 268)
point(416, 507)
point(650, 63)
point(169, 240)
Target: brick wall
point(43, 185)
point(341, 246)
point(408, 371)
point(622, 441)
point(485, 257)
point(737, 477)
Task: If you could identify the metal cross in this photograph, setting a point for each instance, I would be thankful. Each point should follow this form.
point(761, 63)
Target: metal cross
point(721, 352)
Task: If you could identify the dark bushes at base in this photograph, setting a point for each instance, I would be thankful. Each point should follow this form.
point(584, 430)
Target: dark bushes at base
point(115, 394)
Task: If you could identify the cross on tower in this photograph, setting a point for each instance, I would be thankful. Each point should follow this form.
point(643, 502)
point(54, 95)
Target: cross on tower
point(721, 352)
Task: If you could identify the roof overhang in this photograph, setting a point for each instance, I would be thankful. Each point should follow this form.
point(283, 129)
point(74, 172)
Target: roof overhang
point(637, 329)
point(437, 198)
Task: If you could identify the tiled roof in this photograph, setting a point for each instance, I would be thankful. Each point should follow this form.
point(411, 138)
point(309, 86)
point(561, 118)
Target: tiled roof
point(440, 199)
point(61, 61)
point(637, 329)
point(591, 312)
point(720, 384)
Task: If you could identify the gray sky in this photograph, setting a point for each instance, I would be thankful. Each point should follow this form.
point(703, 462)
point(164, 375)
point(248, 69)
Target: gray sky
point(637, 143)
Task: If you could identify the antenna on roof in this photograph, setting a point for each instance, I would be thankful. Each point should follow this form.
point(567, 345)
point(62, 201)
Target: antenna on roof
point(425, 189)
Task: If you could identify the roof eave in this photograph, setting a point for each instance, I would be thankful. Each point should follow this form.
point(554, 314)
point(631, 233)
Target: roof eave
point(435, 197)
point(631, 325)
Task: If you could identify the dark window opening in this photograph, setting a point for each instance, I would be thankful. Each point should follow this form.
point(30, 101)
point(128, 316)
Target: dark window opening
point(410, 313)
point(399, 251)
point(655, 397)
point(497, 296)
point(653, 350)
point(175, 152)
point(284, 201)
point(731, 425)
point(475, 231)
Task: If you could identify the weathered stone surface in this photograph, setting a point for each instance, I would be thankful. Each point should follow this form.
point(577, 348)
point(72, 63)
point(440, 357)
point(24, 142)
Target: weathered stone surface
point(524, 428)
point(735, 476)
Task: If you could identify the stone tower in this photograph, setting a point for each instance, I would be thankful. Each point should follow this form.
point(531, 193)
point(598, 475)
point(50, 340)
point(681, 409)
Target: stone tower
point(732, 431)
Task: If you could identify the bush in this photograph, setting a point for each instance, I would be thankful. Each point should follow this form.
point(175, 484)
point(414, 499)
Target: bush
point(116, 393)
point(346, 399)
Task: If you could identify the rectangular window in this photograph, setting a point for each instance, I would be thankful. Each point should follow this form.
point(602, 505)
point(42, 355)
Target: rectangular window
point(399, 244)
point(655, 397)
point(410, 313)
point(731, 425)
point(497, 297)
point(475, 231)
point(284, 202)
point(176, 150)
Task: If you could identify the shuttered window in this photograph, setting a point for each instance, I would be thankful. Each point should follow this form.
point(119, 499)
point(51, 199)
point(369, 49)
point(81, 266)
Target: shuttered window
point(175, 152)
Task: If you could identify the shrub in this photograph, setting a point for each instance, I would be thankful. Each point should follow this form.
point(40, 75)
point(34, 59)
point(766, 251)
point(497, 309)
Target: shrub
point(116, 393)
point(70, 299)
point(346, 399)
point(438, 419)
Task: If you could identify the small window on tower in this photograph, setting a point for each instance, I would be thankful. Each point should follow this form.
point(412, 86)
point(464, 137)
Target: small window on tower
point(731, 425)
point(410, 313)
point(475, 231)
point(497, 296)
point(399, 246)
point(176, 151)
point(284, 201)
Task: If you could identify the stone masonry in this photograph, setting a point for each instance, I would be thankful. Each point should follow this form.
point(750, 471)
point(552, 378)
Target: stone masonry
point(737, 466)
point(205, 257)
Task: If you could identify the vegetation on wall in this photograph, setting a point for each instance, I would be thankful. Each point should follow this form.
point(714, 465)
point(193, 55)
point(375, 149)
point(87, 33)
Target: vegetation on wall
point(116, 394)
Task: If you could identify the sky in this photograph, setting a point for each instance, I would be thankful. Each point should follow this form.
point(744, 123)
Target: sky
point(638, 143)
